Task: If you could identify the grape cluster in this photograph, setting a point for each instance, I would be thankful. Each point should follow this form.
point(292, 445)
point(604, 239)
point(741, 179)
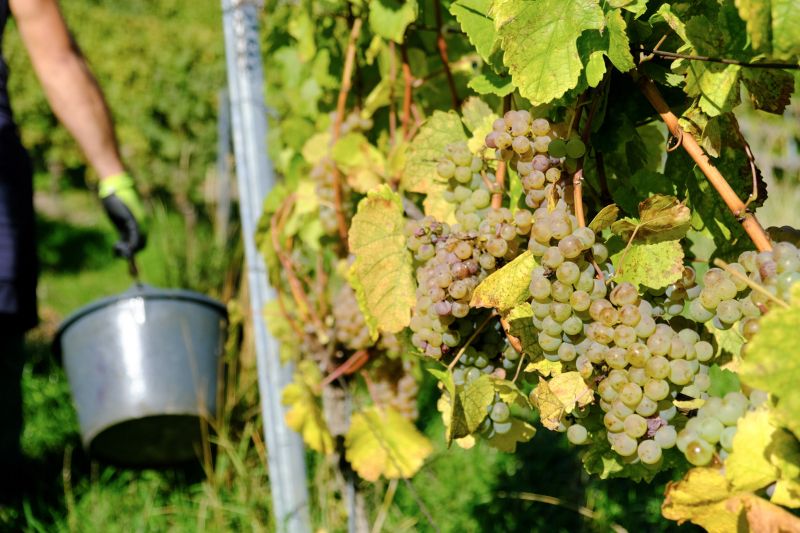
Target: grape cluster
point(393, 385)
point(711, 431)
point(498, 421)
point(350, 328)
point(671, 300)
point(466, 187)
point(480, 358)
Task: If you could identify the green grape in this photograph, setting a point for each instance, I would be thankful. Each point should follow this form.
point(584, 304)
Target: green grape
point(577, 434)
point(631, 394)
point(649, 452)
point(704, 351)
point(575, 148)
point(568, 273)
point(500, 412)
point(665, 437)
point(656, 389)
point(680, 372)
point(657, 367)
point(699, 453)
point(572, 326)
point(567, 352)
point(635, 425)
point(620, 410)
point(622, 443)
point(726, 438)
point(710, 430)
point(557, 148)
point(647, 407)
point(502, 428)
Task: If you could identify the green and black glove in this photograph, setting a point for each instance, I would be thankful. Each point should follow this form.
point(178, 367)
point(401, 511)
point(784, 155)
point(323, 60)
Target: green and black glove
point(124, 207)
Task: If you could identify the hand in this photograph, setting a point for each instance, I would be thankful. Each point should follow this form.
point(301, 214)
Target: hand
point(124, 207)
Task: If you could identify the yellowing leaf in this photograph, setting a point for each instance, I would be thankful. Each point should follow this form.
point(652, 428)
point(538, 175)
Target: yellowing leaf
point(476, 143)
point(771, 363)
point(316, 147)
point(560, 396)
point(604, 219)
point(702, 497)
point(748, 467)
point(434, 205)
point(362, 164)
point(765, 517)
point(661, 218)
point(427, 148)
point(381, 442)
point(785, 455)
point(474, 113)
point(652, 265)
point(305, 414)
point(506, 287)
point(476, 397)
point(520, 321)
point(381, 273)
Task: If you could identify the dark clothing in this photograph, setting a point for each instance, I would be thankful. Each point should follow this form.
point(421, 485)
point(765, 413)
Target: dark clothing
point(18, 264)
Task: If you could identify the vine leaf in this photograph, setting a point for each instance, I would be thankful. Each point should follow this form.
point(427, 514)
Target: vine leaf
point(560, 396)
point(491, 83)
point(652, 265)
point(661, 218)
point(539, 43)
point(381, 442)
point(717, 86)
point(602, 220)
point(507, 287)
point(777, 375)
point(474, 113)
point(770, 90)
point(520, 321)
point(748, 467)
point(705, 498)
point(476, 397)
point(426, 149)
point(362, 163)
point(381, 273)
point(473, 17)
point(772, 26)
point(723, 381)
point(390, 18)
point(305, 414)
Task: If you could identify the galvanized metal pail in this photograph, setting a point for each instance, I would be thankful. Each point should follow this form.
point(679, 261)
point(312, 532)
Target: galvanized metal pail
point(142, 367)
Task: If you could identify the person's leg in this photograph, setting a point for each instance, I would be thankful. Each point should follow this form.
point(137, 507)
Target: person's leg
point(11, 362)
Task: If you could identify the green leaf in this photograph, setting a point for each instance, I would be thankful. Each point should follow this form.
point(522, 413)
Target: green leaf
point(619, 47)
point(491, 83)
point(305, 412)
point(361, 162)
point(772, 26)
point(507, 287)
point(652, 265)
point(604, 219)
point(474, 113)
point(539, 43)
point(390, 18)
point(382, 266)
point(427, 148)
point(382, 442)
point(770, 90)
point(473, 16)
point(771, 364)
point(595, 68)
point(661, 218)
point(723, 381)
point(280, 328)
point(717, 86)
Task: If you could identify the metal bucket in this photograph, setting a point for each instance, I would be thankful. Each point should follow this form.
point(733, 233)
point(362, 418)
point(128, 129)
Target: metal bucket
point(142, 367)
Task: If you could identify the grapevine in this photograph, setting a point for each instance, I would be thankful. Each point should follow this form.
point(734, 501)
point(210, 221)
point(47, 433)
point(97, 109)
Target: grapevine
point(529, 236)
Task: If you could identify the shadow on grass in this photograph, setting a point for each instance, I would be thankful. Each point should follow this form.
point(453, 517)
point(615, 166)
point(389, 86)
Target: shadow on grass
point(63, 247)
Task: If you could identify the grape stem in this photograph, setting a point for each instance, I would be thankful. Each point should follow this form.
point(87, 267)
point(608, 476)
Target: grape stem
point(726, 61)
point(408, 82)
point(499, 185)
point(441, 44)
point(347, 75)
point(350, 366)
point(748, 221)
point(300, 297)
point(753, 285)
point(475, 333)
point(551, 500)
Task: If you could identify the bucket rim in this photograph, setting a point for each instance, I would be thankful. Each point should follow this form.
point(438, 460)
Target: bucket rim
point(138, 290)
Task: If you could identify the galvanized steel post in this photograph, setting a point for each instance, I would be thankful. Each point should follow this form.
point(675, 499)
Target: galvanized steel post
point(255, 176)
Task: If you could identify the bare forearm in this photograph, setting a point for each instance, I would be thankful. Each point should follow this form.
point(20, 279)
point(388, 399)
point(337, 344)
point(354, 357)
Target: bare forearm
point(72, 90)
point(77, 101)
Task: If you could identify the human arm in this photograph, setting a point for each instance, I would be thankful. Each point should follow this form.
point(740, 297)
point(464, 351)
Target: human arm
point(78, 102)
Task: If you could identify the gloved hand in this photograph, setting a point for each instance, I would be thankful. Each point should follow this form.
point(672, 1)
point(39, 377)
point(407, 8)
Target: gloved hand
point(124, 207)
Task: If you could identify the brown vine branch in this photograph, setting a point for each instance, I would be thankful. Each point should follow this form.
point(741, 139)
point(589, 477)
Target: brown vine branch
point(441, 44)
point(408, 81)
point(500, 175)
point(753, 285)
point(469, 341)
point(347, 76)
point(350, 366)
point(748, 220)
point(726, 61)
